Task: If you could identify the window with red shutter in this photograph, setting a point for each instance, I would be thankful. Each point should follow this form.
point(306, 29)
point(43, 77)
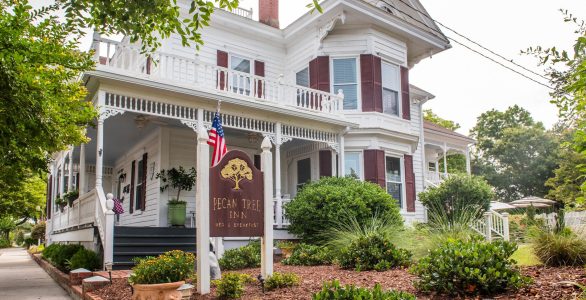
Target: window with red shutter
point(325, 163)
point(132, 180)
point(222, 61)
point(406, 102)
point(409, 183)
point(144, 181)
point(374, 167)
point(370, 79)
point(259, 70)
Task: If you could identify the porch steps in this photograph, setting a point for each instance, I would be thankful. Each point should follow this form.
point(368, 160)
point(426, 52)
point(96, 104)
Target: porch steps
point(133, 242)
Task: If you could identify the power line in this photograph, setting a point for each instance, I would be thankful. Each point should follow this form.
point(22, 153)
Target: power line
point(469, 48)
point(473, 42)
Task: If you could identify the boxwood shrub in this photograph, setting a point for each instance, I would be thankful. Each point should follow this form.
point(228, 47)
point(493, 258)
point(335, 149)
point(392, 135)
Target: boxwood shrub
point(329, 201)
point(281, 280)
point(309, 255)
point(373, 252)
point(469, 267)
point(86, 259)
point(231, 286)
point(241, 258)
point(333, 291)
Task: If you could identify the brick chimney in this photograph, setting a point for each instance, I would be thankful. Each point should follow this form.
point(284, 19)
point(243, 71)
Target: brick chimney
point(268, 12)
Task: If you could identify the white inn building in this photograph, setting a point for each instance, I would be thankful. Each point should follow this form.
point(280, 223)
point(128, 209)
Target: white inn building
point(330, 90)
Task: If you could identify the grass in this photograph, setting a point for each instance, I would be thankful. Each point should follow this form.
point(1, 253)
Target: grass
point(525, 256)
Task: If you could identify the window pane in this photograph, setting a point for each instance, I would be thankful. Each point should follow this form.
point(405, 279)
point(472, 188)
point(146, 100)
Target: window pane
point(390, 102)
point(394, 189)
point(350, 95)
point(352, 164)
point(394, 179)
point(302, 77)
point(303, 172)
point(390, 76)
point(240, 64)
point(345, 70)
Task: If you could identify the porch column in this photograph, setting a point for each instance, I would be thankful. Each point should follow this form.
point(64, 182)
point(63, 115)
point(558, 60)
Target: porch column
point(62, 178)
point(100, 139)
point(81, 174)
point(70, 173)
point(279, 208)
point(267, 240)
point(468, 168)
point(445, 160)
point(341, 165)
point(202, 209)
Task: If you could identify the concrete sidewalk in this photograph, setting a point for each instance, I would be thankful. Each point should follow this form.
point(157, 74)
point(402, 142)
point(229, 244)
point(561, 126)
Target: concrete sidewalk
point(22, 278)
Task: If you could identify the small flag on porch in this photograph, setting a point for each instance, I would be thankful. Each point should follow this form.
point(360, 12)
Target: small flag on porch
point(216, 140)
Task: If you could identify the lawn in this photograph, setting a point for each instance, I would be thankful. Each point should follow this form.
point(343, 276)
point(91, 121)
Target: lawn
point(525, 256)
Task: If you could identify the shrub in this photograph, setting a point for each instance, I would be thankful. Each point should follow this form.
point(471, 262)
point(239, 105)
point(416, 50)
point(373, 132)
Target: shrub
point(38, 231)
point(559, 249)
point(171, 266)
point(457, 200)
point(309, 255)
point(49, 251)
point(333, 291)
point(231, 286)
point(281, 280)
point(19, 237)
point(4, 243)
point(374, 252)
point(322, 204)
point(86, 259)
point(29, 241)
point(469, 267)
point(240, 258)
point(63, 254)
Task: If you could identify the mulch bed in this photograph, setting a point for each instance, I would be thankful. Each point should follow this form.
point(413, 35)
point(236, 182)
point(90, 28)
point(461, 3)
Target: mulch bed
point(546, 283)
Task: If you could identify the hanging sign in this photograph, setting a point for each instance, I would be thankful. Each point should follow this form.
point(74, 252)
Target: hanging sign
point(236, 197)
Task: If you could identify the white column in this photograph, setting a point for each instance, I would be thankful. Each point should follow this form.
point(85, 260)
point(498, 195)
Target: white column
point(109, 230)
point(506, 236)
point(202, 212)
point(468, 168)
point(267, 240)
point(445, 160)
point(279, 208)
point(70, 173)
point(341, 166)
point(62, 178)
point(82, 176)
point(488, 226)
point(100, 140)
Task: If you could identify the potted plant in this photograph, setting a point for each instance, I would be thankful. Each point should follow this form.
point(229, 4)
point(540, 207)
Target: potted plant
point(286, 248)
point(60, 202)
point(159, 277)
point(179, 179)
point(71, 196)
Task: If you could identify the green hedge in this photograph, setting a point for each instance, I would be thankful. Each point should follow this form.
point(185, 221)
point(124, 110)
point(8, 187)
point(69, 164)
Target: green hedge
point(333, 291)
point(309, 255)
point(374, 252)
point(241, 258)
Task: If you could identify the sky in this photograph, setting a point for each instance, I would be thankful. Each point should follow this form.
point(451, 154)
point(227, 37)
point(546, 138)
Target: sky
point(466, 84)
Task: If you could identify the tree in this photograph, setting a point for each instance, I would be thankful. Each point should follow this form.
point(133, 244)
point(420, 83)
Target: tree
point(429, 115)
point(515, 154)
point(21, 201)
point(456, 162)
point(569, 93)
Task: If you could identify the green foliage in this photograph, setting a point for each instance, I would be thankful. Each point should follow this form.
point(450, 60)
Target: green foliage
point(7, 224)
point(231, 286)
point(50, 251)
point(469, 267)
point(70, 196)
point(429, 115)
point(309, 255)
point(179, 179)
point(565, 185)
point(374, 252)
point(514, 153)
point(459, 199)
point(86, 259)
point(38, 231)
point(456, 164)
point(281, 280)
point(559, 249)
point(322, 204)
point(63, 255)
point(19, 237)
point(333, 291)
point(4, 243)
point(171, 266)
point(241, 258)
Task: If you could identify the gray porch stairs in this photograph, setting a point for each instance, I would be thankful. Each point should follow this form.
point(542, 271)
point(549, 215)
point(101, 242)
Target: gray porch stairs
point(133, 242)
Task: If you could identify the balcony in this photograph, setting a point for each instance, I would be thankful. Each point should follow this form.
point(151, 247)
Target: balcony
point(125, 59)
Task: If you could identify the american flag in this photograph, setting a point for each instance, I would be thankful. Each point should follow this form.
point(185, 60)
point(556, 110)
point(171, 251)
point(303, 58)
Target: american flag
point(217, 140)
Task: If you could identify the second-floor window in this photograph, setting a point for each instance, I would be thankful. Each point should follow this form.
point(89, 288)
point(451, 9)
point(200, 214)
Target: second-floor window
point(390, 84)
point(240, 82)
point(302, 77)
point(346, 79)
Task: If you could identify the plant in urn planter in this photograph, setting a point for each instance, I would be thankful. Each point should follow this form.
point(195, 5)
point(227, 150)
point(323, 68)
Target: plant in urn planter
point(159, 277)
point(180, 180)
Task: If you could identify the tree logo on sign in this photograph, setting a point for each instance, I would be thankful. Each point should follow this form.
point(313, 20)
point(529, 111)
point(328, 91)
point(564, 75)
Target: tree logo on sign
point(237, 170)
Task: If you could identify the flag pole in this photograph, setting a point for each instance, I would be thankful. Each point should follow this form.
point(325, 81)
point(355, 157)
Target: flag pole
point(218, 106)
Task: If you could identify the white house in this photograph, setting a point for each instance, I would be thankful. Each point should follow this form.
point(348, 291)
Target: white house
point(330, 90)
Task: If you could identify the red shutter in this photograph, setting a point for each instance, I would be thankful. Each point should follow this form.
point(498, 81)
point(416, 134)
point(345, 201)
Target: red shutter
point(409, 183)
point(49, 205)
point(222, 61)
point(319, 77)
point(257, 161)
point(259, 70)
point(313, 73)
point(405, 93)
point(144, 181)
point(371, 87)
point(374, 167)
point(132, 177)
point(325, 163)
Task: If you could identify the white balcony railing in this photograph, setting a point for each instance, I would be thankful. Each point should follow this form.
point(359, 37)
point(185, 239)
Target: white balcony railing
point(435, 178)
point(79, 213)
point(246, 13)
point(125, 59)
point(492, 225)
point(279, 213)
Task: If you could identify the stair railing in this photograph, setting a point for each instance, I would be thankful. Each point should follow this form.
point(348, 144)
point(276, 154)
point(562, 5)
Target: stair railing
point(105, 224)
point(492, 225)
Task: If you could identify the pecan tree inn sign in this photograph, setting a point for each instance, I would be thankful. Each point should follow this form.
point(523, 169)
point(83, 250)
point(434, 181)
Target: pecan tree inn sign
point(233, 199)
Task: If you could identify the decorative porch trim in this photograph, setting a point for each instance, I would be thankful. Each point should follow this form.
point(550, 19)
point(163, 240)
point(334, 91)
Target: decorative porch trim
point(149, 107)
point(306, 149)
point(110, 112)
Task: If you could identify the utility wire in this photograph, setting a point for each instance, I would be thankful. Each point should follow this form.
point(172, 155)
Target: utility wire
point(467, 47)
point(473, 42)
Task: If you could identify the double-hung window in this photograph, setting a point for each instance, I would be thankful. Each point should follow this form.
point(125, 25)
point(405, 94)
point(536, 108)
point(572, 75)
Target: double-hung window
point(394, 178)
point(352, 164)
point(140, 179)
point(240, 82)
point(302, 79)
point(390, 84)
point(346, 79)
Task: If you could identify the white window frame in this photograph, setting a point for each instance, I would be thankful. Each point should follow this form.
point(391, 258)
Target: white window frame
point(399, 94)
point(360, 172)
point(252, 70)
point(403, 199)
point(306, 67)
point(358, 83)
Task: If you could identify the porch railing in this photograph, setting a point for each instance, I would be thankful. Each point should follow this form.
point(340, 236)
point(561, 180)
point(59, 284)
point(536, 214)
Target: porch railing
point(279, 213)
point(243, 12)
point(435, 178)
point(493, 225)
point(79, 213)
point(127, 59)
point(105, 223)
